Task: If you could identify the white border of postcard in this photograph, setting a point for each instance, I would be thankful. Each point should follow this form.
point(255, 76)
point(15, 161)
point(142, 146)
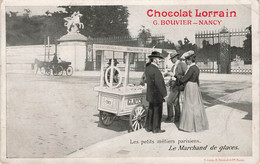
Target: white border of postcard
point(255, 80)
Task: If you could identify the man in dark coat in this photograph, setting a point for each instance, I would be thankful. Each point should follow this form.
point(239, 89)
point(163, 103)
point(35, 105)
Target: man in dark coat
point(55, 59)
point(54, 62)
point(156, 91)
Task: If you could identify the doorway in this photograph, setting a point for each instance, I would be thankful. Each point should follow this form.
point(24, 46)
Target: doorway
point(98, 60)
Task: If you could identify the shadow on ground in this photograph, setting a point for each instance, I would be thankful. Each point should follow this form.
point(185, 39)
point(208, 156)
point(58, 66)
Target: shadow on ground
point(119, 124)
point(246, 107)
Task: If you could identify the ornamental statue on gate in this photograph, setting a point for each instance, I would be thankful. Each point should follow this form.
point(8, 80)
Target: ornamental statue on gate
point(73, 22)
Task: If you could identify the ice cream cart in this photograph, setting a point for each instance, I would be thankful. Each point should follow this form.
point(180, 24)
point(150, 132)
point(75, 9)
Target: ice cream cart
point(116, 97)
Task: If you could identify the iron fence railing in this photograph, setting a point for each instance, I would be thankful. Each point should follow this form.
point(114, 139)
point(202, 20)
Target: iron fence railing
point(242, 66)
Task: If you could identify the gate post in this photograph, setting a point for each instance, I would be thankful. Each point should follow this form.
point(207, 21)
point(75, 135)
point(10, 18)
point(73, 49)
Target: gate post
point(224, 51)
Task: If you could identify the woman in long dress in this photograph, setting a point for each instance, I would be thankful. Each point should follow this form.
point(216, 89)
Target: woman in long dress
point(193, 116)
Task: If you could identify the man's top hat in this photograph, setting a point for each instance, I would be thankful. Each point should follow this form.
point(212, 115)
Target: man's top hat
point(188, 54)
point(174, 54)
point(155, 54)
point(115, 61)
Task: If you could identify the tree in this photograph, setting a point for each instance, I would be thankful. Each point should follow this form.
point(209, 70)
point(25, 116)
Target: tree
point(166, 45)
point(12, 14)
point(27, 13)
point(99, 21)
point(19, 29)
point(144, 35)
point(248, 42)
point(205, 44)
point(186, 46)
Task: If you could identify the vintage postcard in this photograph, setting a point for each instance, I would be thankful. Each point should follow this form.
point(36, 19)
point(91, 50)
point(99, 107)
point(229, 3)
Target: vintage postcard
point(130, 81)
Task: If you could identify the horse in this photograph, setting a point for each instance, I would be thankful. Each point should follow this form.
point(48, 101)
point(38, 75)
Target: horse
point(39, 64)
point(73, 21)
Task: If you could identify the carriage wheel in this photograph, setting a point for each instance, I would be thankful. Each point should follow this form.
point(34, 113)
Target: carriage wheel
point(42, 69)
point(137, 118)
point(69, 71)
point(58, 71)
point(106, 118)
point(48, 71)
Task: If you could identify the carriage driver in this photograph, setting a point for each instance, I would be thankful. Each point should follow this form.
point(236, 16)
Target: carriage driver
point(55, 59)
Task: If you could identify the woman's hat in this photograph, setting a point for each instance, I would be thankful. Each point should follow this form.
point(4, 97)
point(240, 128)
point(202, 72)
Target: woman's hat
point(188, 54)
point(155, 54)
point(182, 57)
point(174, 54)
point(115, 61)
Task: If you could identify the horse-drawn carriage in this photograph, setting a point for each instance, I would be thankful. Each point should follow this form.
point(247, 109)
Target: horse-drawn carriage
point(57, 69)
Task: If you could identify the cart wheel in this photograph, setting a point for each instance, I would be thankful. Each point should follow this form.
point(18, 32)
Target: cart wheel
point(106, 118)
point(58, 71)
point(69, 71)
point(137, 117)
point(42, 70)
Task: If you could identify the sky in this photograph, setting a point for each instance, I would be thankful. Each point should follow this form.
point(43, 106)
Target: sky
point(138, 17)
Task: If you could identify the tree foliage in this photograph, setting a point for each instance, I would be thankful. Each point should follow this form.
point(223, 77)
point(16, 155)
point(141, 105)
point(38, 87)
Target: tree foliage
point(248, 42)
point(166, 45)
point(99, 21)
point(144, 35)
point(208, 51)
point(211, 52)
point(186, 45)
point(26, 30)
point(147, 40)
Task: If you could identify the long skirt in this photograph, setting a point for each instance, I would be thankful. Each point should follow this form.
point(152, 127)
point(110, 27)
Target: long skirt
point(181, 99)
point(193, 116)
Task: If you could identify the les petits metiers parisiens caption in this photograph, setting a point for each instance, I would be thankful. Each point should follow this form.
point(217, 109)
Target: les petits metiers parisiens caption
point(184, 144)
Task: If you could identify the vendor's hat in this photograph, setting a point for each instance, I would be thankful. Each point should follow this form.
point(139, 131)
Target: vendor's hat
point(115, 61)
point(188, 54)
point(174, 54)
point(155, 54)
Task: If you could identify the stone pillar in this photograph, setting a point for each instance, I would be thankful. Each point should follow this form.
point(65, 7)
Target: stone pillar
point(72, 48)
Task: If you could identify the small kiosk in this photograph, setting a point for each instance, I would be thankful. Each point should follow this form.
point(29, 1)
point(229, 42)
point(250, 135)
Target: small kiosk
point(116, 96)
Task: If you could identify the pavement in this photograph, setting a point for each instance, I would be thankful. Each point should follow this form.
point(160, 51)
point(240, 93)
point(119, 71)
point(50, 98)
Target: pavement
point(203, 76)
point(52, 116)
point(223, 133)
point(229, 134)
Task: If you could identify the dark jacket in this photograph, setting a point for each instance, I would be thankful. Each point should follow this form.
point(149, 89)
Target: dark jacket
point(156, 89)
point(55, 59)
point(179, 71)
point(192, 75)
point(143, 78)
